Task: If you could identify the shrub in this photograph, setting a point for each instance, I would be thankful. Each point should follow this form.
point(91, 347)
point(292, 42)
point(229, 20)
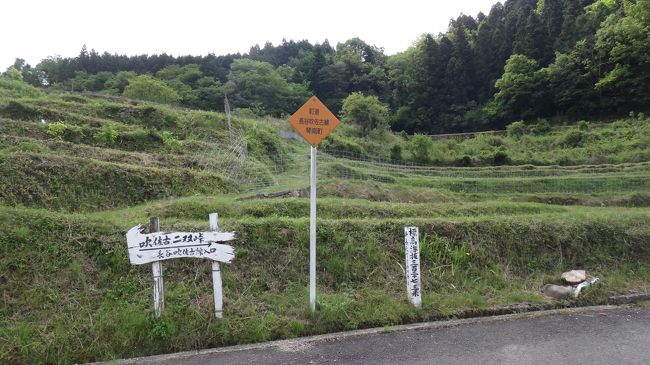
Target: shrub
point(396, 152)
point(542, 126)
point(337, 143)
point(147, 88)
point(66, 132)
point(170, 141)
point(56, 130)
point(140, 139)
point(421, 147)
point(20, 111)
point(495, 141)
point(365, 111)
point(516, 129)
point(17, 89)
point(641, 117)
point(583, 125)
point(573, 138)
point(465, 161)
point(106, 135)
point(263, 141)
point(500, 157)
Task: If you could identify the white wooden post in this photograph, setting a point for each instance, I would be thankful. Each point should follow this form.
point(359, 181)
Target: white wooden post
point(312, 232)
point(216, 273)
point(412, 245)
point(157, 271)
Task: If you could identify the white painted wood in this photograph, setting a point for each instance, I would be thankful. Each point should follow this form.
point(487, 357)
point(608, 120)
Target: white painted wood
point(214, 222)
point(217, 286)
point(312, 232)
point(412, 245)
point(158, 288)
point(146, 248)
point(157, 273)
point(157, 246)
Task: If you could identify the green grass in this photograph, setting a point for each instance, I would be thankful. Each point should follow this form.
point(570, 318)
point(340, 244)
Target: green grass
point(336, 208)
point(98, 305)
point(491, 236)
point(46, 180)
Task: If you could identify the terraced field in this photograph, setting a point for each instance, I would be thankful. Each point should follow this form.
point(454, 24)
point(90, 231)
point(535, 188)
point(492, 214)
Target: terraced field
point(77, 171)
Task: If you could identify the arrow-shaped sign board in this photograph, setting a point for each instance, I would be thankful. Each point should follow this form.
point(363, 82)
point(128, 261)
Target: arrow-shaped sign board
point(158, 246)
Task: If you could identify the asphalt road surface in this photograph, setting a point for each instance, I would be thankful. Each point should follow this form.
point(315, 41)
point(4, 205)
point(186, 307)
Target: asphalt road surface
point(599, 335)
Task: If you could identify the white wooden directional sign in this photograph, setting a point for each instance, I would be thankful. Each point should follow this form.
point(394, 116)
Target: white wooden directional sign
point(158, 246)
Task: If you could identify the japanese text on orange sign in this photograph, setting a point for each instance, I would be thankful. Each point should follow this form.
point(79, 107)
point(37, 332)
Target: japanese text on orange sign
point(314, 121)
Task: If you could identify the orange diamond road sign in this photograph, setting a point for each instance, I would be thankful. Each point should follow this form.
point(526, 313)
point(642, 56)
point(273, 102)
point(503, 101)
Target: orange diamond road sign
point(313, 121)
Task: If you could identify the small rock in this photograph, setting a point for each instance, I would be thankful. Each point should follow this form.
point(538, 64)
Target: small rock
point(557, 291)
point(574, 276)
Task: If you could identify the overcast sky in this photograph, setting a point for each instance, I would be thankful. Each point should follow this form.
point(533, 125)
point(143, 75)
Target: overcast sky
point(36, 29)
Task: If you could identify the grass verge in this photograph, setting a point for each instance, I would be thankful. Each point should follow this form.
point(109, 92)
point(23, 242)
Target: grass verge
point(70, 294)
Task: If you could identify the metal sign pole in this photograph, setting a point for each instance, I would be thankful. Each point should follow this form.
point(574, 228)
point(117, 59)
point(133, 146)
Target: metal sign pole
point(313, 121)
point(312, 232)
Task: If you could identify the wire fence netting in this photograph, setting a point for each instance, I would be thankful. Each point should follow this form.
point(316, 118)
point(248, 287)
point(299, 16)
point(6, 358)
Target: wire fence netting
point(292, 171)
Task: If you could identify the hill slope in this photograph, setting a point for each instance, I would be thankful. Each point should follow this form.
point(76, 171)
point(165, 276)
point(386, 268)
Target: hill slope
point(77, 171)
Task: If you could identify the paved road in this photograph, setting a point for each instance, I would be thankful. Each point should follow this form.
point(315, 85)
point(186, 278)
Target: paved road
point(600, 335)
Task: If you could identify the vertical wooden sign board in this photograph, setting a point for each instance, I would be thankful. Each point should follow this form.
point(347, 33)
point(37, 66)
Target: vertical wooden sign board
point(313, 121)
point(412, 245)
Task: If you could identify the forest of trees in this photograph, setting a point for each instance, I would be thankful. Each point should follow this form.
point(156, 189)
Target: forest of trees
point(563, 60)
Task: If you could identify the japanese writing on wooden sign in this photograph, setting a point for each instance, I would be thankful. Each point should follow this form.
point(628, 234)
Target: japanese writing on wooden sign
point(146, 248)
point(412, 244)
point(313, 121)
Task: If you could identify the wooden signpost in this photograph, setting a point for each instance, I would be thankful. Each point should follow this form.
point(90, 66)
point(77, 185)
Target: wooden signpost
point(313, 121)
point(412, 245)
point(155, 247)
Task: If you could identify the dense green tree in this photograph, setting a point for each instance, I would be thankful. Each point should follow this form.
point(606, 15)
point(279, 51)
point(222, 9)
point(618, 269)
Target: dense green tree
point(13, 73)
point(623, 42)
point(591, 60)
point(258, 86)
point(117, 82)
point(331, 85)
point(571, 81)
point(147, 88)
point(367, 112)
point(420, 147)
point(518, 90)
point(532, 41)
point(415, 80)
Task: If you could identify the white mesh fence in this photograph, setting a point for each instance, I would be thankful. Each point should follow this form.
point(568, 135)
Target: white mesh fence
point(292, 171)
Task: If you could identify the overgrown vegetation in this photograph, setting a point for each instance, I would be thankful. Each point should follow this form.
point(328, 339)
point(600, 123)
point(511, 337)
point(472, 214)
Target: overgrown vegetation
point(98, 305)
point(526, 59)
point(76, 171)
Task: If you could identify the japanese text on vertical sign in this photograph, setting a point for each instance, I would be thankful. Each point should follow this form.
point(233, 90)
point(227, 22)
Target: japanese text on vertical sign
point(412, 245)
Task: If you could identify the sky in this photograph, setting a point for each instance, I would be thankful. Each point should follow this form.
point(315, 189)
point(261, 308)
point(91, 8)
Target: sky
point(36, 29)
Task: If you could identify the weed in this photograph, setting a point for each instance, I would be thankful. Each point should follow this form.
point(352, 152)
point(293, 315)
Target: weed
point(490, 236)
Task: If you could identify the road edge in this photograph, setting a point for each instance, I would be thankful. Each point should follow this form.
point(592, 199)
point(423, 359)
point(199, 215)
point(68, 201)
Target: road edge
point(365, 332)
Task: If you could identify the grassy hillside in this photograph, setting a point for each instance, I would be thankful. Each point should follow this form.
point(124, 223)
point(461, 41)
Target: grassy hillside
point(77, 171)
